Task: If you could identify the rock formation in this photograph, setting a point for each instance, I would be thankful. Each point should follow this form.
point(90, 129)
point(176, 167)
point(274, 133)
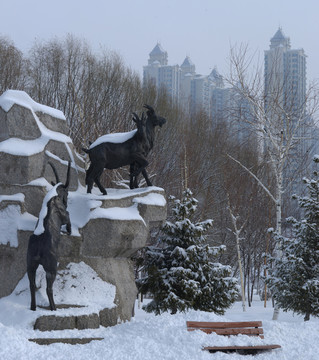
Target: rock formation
point(106, 230)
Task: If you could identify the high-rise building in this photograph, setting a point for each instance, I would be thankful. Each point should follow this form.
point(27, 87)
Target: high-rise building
point(285, 104)
point(188, 72)
point(195, 92)
point(220, 97)
point(161, 73)
point(191, 90)
point(285, 73)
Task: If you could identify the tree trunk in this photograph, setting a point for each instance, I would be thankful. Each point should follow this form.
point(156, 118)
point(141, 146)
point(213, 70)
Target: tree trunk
point(307, 317)
point(248, 280)
point(278, 230)
point(241, 275)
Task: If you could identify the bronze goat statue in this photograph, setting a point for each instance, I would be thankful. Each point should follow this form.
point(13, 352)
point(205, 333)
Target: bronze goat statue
point(133, 152)
point(43, 243)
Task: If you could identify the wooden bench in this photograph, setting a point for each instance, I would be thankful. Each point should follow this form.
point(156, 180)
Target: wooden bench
point(250, 328)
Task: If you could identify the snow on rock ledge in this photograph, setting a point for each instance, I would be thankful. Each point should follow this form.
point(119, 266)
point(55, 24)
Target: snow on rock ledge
point(30, 135)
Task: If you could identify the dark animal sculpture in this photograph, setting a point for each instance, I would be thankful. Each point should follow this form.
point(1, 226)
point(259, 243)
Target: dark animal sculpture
point(141, 137)
point(131, 152)
point(43, 243)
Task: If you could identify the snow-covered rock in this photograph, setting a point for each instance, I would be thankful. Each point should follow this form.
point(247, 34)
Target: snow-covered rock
point(106, 230)
point(31, 134)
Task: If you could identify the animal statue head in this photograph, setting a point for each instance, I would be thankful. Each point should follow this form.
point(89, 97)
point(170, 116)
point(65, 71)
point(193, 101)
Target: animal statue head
point(62, 189)
point(155, 119)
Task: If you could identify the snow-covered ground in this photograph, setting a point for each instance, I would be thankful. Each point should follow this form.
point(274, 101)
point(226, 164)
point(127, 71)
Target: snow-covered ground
point(153, 337)
point(145, 337)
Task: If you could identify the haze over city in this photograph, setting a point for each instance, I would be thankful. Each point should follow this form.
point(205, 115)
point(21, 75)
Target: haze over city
point(204, 30)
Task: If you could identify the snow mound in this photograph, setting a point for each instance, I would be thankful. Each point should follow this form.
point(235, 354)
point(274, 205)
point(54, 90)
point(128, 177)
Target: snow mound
point(78, 284)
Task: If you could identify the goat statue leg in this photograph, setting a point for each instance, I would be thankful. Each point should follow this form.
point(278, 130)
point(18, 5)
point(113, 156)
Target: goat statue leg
point(148, 182)
point(135, 182)
point(140, 164)
point(99, 185)
point(31, 276)
point(88, 179)
point(50, 277)
point(139, 167)
point(133, 179)
point(93, 175)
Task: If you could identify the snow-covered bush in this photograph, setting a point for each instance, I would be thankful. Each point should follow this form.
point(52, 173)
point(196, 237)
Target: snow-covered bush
point(180, 272)
point(294, 274)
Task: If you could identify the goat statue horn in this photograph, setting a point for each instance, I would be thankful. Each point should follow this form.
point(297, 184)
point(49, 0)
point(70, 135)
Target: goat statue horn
point(55, 172)
point(148, 107)
point(67, 182)
point(135, 117)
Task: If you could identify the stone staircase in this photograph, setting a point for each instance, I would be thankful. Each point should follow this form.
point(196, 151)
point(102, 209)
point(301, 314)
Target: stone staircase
point(54, 326)
point(71, 341)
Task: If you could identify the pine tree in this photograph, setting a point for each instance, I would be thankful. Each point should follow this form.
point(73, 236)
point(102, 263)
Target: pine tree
point(294, 276)
point(179, 272)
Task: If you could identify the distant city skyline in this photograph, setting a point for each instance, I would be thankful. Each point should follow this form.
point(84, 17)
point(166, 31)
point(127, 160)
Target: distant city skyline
point(204, 30)
point(285, 71)
point(283, 67)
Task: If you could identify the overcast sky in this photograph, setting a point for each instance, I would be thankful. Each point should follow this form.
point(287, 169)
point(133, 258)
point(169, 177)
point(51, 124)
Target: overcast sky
point(201, 29)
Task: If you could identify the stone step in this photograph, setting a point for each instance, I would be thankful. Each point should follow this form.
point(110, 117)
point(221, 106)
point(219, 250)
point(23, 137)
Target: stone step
point(71, 341)
point(106, 317)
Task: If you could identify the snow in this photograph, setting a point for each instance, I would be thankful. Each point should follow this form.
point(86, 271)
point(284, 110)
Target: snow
point(11, 97)
point(41, 182)
point(115, 138)
point(117, 213)
point(15, 197)
point(146, 336)
point(44, 209)
point(151, 199)
point(82, 206)
point(12, 220)
point(153, 337)
point(8, 225)
point(15, 146)
point(27, 222)
point(77, 284)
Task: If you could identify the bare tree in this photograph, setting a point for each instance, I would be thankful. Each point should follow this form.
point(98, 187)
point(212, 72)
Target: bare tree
point(237, 231)
point(278, 119)
point(97, 93)
point(12, 65)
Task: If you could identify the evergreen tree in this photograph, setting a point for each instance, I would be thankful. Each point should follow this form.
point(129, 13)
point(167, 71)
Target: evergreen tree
point(294, 276)
point(179, 272)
